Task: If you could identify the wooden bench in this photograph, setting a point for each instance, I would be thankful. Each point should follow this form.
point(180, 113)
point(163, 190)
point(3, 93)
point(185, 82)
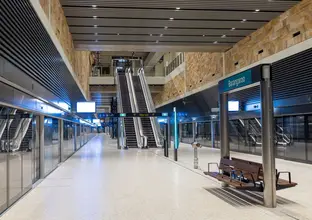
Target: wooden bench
point(280, 183)
point(235, 173)
point(244, 174)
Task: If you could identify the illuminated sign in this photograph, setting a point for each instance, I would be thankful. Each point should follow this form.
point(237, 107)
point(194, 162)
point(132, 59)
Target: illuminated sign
point(233, 106)
point(253, 107)
point(85, 107)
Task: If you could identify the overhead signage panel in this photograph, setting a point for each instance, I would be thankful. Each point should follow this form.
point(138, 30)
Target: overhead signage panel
point(241, 79)
point(140, 115)
point(237, 81)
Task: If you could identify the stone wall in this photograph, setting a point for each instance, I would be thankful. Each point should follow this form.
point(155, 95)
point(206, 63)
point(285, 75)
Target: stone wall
point(277, 35)
point(202, 68)
point(79, 61)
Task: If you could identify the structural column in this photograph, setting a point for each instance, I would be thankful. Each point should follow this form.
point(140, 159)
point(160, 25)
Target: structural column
point(212, 131)
point(169, 132)
point(61, 129)
point(41, 145)
point(194, 130)
point(224, 125)
point(268, 154)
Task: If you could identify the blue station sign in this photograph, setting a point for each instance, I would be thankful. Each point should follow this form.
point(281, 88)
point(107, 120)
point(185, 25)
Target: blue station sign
point(237, 81)
point(240, 80)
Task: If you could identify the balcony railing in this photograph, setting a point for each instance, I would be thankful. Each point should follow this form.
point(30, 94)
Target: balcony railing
point(174, 64)
point(101, 71)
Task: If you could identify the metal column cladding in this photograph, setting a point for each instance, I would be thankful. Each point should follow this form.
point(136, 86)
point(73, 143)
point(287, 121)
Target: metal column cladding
point(268, 157)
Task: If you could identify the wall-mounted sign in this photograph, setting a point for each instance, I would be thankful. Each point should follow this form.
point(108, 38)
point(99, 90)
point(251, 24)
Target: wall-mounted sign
point(237, 81)
point(253, 107)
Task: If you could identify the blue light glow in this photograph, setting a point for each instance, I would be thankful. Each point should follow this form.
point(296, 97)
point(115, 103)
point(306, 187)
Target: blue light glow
point(176, 138)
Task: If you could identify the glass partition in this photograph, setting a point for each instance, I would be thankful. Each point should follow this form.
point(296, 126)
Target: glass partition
point(17, 143)
point(187, 133)
point(51, 144)
point(293, 136)
point(78, 145)
point(68, 139)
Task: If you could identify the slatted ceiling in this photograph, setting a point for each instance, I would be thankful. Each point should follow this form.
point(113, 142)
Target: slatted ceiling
point(26, 44)
point(147, 31)
point(275, 5)
point(137, 19)
point(199, 39)
point(133, 22)
point(167, 13)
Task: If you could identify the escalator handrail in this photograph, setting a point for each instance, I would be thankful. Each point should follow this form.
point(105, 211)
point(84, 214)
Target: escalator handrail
point(14, 144)
point(4, 124)
point(134, 106)
point(120, 109)
point(150, 107)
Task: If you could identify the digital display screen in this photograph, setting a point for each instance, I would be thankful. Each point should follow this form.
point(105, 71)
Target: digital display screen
point(233, 106)
point(96, 121)
point(85, 107)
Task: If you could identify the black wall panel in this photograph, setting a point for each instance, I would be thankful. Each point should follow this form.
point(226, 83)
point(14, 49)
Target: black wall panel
point(25, 43)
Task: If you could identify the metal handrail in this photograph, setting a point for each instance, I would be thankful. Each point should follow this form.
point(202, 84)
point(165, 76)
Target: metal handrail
point(134, 106)
point(14, 144)
point(151, 108)
point(6, 123)
point(121, 123)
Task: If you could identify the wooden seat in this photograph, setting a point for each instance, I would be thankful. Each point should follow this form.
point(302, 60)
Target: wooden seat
point(227, 173)
point(244, 174)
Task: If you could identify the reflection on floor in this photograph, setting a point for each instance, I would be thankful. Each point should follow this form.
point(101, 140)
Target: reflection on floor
point(294, 202)
point(101, 182)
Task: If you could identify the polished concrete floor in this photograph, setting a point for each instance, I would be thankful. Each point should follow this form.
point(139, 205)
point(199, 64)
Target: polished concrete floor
point(100, 182)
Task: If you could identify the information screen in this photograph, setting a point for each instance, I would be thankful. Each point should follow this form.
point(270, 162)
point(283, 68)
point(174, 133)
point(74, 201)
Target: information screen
point(233, 106)
point(85, 107)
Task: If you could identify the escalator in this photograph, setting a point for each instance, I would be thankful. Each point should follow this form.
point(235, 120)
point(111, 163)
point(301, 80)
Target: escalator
point(253, 130)
point(131, 140)
point(146, 122)
point(19, 134)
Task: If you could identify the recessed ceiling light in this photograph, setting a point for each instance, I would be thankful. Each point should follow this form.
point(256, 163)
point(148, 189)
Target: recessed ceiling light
point(166, 27)
point(215, 42)
point(244, 20)
point(94, 6)
point(233, 29)
point(178, 8)
point(204, 35)
point(95, 33)
point(95, 17)
point(171, 19)
point(223, 36)
point(118, 34)
point(151, 35)
point(95, 25)
point(257, 10)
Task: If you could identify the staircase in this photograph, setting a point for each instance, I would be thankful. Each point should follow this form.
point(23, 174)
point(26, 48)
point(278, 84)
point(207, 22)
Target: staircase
point(146, 122)
point(126, 106)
